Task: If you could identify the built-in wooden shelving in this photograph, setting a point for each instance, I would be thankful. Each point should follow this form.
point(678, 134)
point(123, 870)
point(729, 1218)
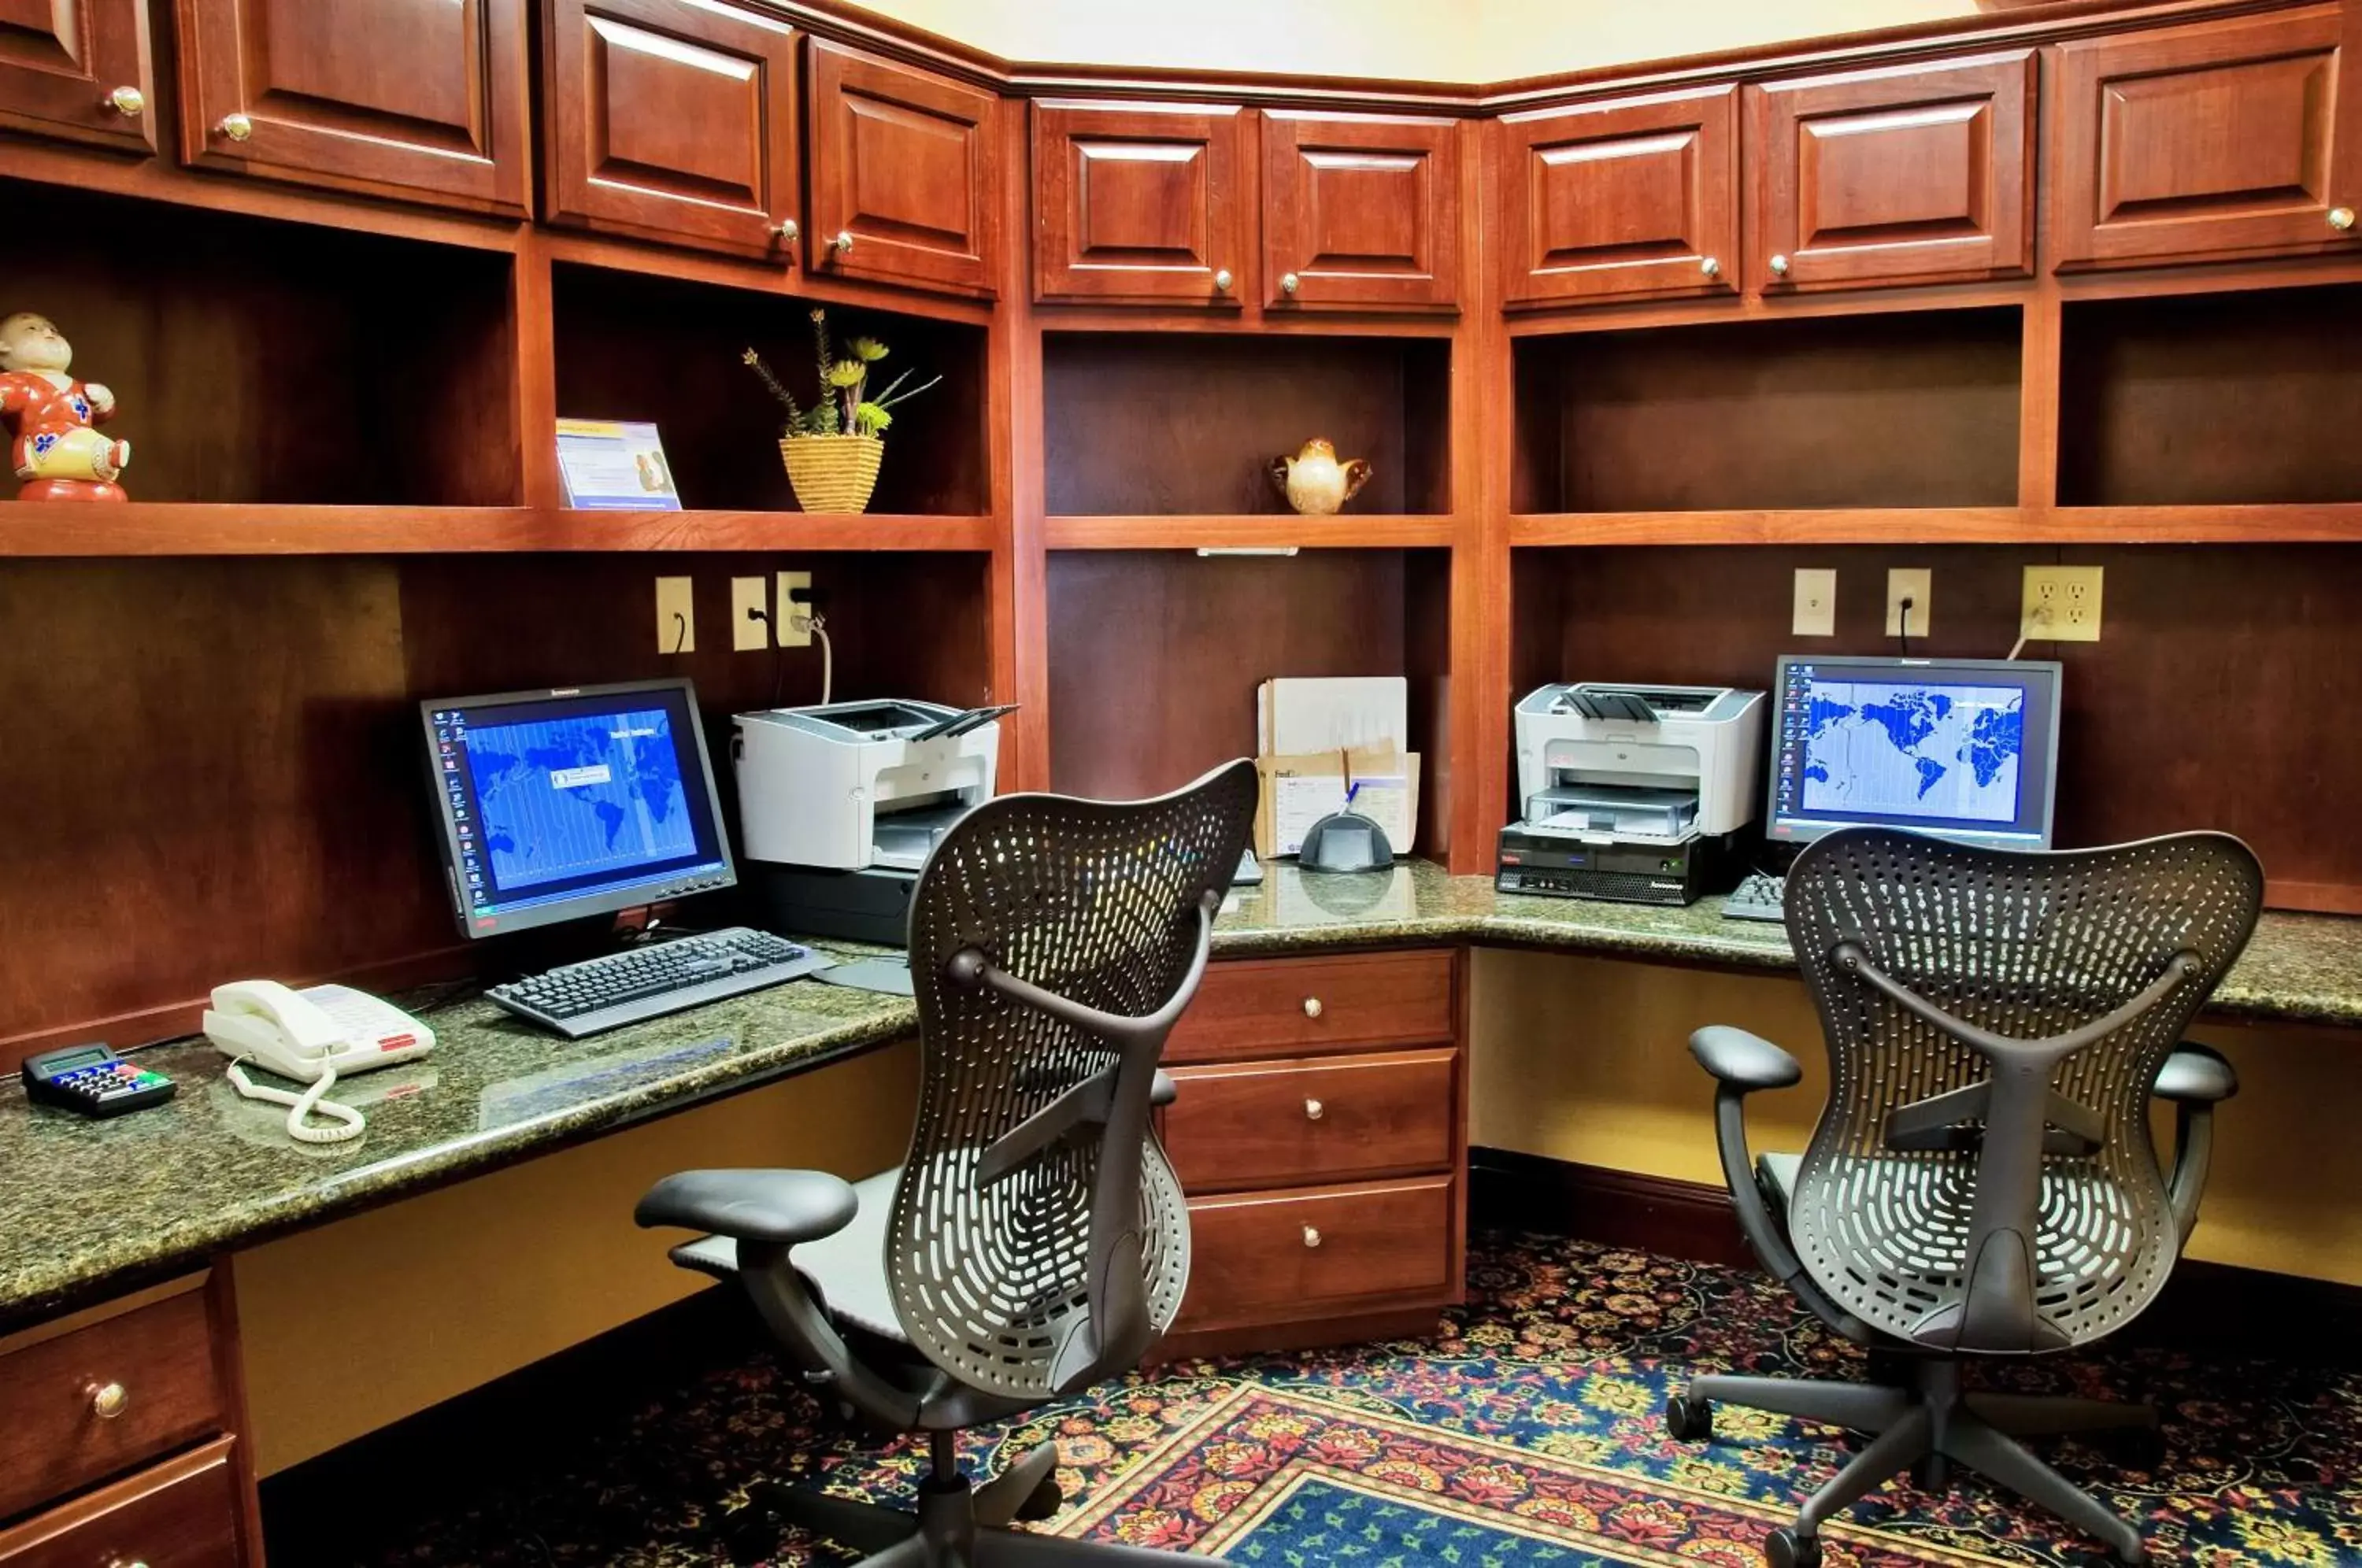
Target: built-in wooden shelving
point(2320, 523)
point(1247, 532)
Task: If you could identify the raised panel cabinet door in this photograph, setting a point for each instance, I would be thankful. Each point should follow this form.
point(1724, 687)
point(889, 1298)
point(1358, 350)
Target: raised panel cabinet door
point(1904, 174)
point(1622, 198)
point(1361, 211)
point(1137, 202)
point(78, 69)
point(420, 99)
point(2211, 140)
point(905, 178)
point(672, 120)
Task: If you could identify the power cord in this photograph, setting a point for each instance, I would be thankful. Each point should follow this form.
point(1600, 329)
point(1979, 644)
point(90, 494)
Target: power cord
point(680, 638)
point(1903, 623)
point(803, 615)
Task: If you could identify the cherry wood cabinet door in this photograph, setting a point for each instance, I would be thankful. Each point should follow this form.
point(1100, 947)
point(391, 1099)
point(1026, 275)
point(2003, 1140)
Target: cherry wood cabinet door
point(905, 178)
point(78, 69)
point(1137, 202)
point(1361, 211)
point(2218, 139)
point(1904, 174)
point(419, 99)
point(1622, 198)
point(672, 120)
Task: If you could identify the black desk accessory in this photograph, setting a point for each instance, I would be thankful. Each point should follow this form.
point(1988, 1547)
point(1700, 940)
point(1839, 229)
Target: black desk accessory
point(1346, 841)
point(92, 1081)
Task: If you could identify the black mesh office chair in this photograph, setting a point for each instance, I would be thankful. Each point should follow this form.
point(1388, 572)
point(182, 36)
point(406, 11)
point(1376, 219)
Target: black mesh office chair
point(1035, 1241)
point(1983, 1181)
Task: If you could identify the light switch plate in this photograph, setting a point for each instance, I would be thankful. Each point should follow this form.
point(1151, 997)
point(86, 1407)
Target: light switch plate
point(2062, 605)
point(1816, 602)
point(794, 630)
point(676, 615)
point(749, 630)
point(1917, 585)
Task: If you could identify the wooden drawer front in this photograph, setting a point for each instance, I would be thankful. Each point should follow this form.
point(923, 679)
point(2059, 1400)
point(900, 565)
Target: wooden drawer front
point(1629, 196)
point(64, 62)
point(1296, 1254)
point(905, 164)
point(1138, 201)
point(1914, 172)
point(674, 120)
point(2216, 139)
point(423, 99)
point(1361, 211)
point(1288, 1006)
point(181, 1514)
point(1286, 1123)
point(52, 1438)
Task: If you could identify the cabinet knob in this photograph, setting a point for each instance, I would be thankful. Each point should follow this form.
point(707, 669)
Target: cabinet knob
point(789, 232)
point(1314, 1110)
point(238, 128)
point(128, 102)
point(1710, 267)
point(1289, 283)
point(1779, 266)
point(1222, 280)
point(1311, 1237)
point(2341, 218)
point(108, 1400)
point(1312, 1008)
point(843, 243)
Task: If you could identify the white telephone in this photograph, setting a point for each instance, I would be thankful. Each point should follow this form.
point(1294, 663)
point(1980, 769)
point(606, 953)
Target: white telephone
point(312, 1036)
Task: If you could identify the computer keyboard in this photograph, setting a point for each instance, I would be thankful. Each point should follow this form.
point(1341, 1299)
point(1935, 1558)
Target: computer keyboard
point(1758, 897)
point(663, 977)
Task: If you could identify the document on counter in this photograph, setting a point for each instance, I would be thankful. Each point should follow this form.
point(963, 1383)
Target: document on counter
point(1297, 792)
point(1298, 716)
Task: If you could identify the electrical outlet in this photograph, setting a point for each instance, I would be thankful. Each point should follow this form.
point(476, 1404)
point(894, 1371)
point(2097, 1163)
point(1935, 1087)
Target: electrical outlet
point(1816, 602)
point(1917, 584)
point(2062, 605)
point(676, 615)
point(795, 631)
point(749, 627)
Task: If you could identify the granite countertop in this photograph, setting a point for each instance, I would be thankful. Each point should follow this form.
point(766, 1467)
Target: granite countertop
point(91, 1207)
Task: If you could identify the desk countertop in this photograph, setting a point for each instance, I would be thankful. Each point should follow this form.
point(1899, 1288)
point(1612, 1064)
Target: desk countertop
point(87, 1208)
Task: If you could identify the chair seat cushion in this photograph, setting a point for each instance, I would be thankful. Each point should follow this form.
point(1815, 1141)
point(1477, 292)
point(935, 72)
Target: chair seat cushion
point(848, 1269)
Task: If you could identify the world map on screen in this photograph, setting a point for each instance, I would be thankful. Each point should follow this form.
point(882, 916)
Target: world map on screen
point(574, 797)
point(1884, 750)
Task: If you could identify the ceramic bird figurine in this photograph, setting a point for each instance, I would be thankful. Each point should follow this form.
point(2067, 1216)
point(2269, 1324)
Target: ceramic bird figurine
point(57, 453)
point(1314, 482)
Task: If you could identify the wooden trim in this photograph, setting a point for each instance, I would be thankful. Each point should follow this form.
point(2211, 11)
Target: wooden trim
point(1353, 531)
point(2318, 898)
point(45, 1530)
point(656, 258)
point(229, 1366)
point(2300, 522)
point(54, 1328)
point(207, 529)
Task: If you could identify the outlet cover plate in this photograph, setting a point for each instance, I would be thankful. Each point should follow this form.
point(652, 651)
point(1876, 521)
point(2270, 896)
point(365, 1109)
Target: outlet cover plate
point(2062, 605)
point(794, 632)
point(676, 615)
point(1918, 585)
point(1816, 602)
point(749, 630)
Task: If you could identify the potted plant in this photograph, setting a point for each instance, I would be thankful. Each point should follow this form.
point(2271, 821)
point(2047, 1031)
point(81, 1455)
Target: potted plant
point(832, 449)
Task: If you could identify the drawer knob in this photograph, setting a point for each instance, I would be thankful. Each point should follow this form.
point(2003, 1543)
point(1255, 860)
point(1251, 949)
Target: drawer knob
point(1312, 1008)
point(1222, 280)
point(842, 242)
point(108, 1400)
point(1289, 283)
point(238, 128)
point(1311, 1237)
point(1710, 267)
point(128, 102)
point(1779, 266)
point(2341, 218)
point(1314, 1110)
point(789, 232)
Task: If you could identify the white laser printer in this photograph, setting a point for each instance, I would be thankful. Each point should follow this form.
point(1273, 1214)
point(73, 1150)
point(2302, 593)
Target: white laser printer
point(1641, 794)
point(840, 805)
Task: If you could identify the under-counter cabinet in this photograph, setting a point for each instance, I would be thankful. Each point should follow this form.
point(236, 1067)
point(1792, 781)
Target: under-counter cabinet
point(78, 69)
point(2218, 140)
point(1359, 210)
point(1139, 202)
point(1908, 173)
point(905, 174)
point(671, 120)
point(1623, 197)
point(424, 100)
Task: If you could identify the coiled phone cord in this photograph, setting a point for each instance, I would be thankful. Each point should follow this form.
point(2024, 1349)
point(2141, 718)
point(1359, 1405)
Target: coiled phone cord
point(345, 1122)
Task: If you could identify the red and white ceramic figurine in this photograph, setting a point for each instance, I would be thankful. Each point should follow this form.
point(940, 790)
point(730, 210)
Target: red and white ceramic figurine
point(50, 417)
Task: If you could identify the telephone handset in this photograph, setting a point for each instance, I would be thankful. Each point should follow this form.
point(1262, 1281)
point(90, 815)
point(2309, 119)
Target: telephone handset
point(313, 1035)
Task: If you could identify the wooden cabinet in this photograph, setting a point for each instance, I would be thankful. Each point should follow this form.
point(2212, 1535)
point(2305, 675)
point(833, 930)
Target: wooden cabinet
point(419, 99)
point(183, 1513)
point(1323, 1252)
point(1359, 210)
point(1250, 1124)
point(1266, 1007)
point(905, 174)
point(78, 69)
point(1623, 197)
point(1138, 201)
point(672, 120)
point(1907, 174)
point(2218, 139)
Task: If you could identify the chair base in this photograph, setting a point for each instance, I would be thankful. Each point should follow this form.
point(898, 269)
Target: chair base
point(956, 1525)
point(1923, 1425)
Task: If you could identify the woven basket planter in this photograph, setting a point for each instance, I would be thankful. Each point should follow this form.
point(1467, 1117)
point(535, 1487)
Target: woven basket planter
point(833, 473)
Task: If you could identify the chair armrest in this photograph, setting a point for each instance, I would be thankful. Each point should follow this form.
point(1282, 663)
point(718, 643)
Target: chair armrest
point(2196, 1076)
point(2196, 1080)
point(1161, 1090)
point(780, 1208)
point(1745, 1062)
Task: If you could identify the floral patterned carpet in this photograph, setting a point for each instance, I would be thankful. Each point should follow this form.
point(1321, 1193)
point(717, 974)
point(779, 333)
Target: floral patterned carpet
point(1528, 1431)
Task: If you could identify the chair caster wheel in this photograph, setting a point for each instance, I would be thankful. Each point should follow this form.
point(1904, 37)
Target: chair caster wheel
point(1046, 1500)
point(1688, 1419)
point(1786, 1548)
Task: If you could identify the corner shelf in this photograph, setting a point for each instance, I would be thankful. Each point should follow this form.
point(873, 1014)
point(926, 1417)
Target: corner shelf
point(1248, 531)
point(189, 528)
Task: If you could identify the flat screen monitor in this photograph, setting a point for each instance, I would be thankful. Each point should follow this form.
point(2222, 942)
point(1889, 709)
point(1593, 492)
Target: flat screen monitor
point(1966, 749)
point(560, 804)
